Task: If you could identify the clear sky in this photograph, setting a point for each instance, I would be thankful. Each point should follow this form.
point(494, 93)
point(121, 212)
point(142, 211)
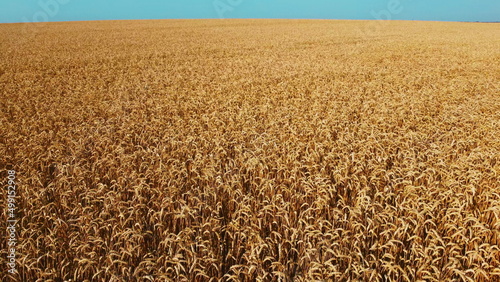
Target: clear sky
point(76, 10)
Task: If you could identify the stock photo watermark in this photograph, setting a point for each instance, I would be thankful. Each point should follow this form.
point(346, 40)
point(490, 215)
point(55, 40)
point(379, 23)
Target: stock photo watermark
point(393, 8)
point(47, 10)
point(224, 6)
point(11, 221)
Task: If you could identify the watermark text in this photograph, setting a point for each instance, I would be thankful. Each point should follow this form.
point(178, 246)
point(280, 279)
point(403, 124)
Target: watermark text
point(11, 221)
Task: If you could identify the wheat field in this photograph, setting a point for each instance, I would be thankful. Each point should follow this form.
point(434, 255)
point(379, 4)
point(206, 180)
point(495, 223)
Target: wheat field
point(252, 150)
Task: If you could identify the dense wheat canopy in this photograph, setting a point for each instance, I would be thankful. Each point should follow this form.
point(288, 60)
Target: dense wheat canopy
point(253, 150)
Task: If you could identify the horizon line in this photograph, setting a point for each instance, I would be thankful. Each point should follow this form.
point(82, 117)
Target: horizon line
point(312, 19)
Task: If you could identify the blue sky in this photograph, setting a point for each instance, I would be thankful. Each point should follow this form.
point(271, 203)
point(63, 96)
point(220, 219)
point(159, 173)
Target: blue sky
point(76, 10)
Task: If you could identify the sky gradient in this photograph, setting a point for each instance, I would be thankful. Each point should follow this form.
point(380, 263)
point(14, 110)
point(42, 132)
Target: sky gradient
point(78, 10)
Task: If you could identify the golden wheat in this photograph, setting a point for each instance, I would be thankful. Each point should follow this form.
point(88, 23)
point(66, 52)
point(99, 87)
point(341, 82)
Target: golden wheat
point(253, 150)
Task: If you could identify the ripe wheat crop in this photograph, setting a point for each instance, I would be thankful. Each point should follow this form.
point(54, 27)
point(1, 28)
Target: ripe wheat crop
point(252, 150)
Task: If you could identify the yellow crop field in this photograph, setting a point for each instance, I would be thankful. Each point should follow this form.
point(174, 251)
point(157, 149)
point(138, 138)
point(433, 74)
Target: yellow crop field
point(250, 150)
